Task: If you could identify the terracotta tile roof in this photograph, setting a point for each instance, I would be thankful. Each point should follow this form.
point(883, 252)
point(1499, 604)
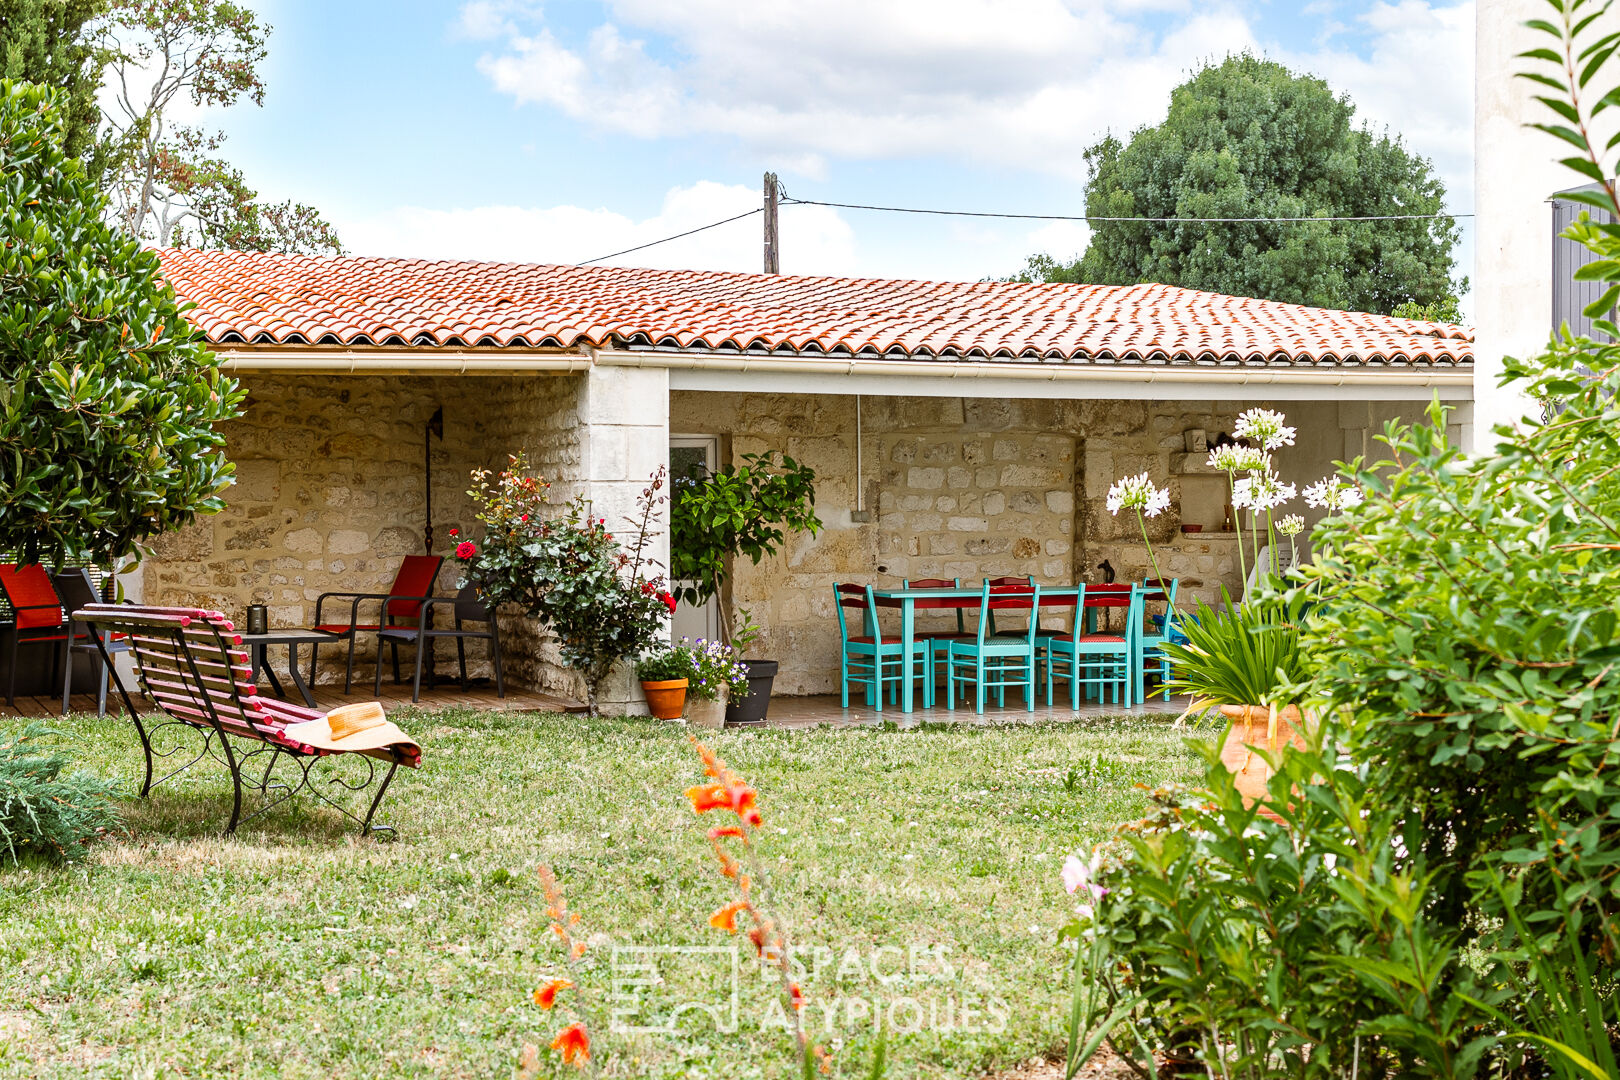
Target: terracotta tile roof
point(248, 298)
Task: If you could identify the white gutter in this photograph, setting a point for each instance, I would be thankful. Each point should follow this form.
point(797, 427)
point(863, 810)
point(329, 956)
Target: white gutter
point(330, 360)
point(902, 375)
point(1050, 371)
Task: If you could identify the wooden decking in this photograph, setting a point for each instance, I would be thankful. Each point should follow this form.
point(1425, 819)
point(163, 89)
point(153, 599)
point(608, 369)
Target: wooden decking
point(394, 698)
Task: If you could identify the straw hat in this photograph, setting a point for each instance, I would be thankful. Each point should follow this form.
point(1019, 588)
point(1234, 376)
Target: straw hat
point(362, 726)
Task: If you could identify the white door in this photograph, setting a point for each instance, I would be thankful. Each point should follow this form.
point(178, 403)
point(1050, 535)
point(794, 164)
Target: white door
point(693, 457)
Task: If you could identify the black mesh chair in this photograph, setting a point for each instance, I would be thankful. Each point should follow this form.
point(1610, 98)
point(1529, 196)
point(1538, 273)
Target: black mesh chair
point(466, 607)
point(78, 591)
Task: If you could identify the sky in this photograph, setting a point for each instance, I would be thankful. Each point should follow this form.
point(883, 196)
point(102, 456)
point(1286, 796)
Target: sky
point(561, 131)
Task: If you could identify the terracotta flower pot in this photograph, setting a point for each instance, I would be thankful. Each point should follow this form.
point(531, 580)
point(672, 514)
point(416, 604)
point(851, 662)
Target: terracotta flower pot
point(665, 697)
point(1252, 730)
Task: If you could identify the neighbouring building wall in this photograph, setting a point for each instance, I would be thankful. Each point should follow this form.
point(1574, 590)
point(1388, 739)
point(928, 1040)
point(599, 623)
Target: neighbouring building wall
point(972, 488)
point(330, 493)
point(1516, 172)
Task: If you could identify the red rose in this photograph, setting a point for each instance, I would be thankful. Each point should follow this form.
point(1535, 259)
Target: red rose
point(455, 532)
point(466, 549)
point(669, 601)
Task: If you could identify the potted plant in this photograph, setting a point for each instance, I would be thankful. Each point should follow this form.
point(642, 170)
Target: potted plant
point(1245, 660)
point(751, 705)
point(716, 675)
point(739, 510)
point(664, 676)
point(604, 603)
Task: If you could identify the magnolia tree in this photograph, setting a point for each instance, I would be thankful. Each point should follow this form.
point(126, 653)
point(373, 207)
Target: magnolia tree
point(107, 407)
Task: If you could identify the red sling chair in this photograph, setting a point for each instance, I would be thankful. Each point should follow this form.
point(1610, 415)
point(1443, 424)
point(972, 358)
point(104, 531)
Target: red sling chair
point(400, 604)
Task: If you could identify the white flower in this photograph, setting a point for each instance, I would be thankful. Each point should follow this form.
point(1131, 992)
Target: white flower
point(1233, 458)
point(1292, 525)
point(1261, 491)
point(1332, 493)
point(1137, 493)
point(1265, 427)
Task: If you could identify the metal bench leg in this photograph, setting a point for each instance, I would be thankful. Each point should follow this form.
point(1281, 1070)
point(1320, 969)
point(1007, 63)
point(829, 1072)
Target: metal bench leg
point(365, 826)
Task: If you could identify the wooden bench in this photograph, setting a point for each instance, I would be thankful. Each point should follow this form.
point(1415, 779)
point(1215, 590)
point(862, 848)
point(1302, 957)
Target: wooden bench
point(194, 670)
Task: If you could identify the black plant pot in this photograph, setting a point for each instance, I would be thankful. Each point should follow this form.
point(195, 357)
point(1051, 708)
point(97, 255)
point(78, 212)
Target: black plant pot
point(751, 707)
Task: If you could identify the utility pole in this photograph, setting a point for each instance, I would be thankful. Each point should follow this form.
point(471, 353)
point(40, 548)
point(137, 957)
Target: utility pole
point(773, 257)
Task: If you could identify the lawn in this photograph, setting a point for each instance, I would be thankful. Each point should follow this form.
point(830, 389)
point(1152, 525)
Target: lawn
point(917, 872)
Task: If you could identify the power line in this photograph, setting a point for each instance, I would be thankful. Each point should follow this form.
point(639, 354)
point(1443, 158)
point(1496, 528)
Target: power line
point(1095, 217)
point(677, 236)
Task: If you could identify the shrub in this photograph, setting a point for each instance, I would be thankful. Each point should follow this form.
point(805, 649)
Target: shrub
point(739, 510)
point(108, 408)
point(603, 602)
point(45, 809)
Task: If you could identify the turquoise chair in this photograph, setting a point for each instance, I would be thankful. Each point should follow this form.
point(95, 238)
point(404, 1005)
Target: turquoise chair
point(1027, 579)
point(868, 659)
point(992, 660)
point(939, 639)
point(1101, 662)
point(1152, 661)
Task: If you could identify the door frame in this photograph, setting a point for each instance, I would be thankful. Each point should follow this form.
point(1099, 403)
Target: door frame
point(706, 620)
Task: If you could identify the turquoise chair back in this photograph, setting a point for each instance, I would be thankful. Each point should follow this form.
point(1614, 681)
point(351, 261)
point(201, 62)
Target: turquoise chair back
point(856, 598)
point(1018, 595)
point(937, 583)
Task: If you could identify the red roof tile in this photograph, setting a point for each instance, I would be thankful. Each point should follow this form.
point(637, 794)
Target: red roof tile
point(256, 298)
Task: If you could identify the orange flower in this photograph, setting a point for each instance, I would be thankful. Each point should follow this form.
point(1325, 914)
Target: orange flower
point(728, 865)
point(708, 797)
point(797, 996)
point(559, 931)
point(760, 935)
point(726, 917)
point(572, 1043)
point(725, 830)
point(579, 949)
point(546, 996)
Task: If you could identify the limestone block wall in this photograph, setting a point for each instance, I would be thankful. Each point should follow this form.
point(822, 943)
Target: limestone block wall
point(330, 491)
point(970, 488)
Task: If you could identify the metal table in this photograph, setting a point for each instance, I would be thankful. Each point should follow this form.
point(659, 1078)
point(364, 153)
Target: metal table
point(258, 646)
point(1117, 595)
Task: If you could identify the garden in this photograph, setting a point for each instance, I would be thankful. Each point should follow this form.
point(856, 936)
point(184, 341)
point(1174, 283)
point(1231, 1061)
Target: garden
point(1425, 883)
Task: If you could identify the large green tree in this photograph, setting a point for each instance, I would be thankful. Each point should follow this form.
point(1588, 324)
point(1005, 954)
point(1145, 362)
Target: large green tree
point(108, 408)
point(45, 41)
point(1247, 138)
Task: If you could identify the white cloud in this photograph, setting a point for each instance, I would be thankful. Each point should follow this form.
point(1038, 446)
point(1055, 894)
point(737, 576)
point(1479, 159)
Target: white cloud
point(1030, 83)
point(820, 241)
point(1415, 77)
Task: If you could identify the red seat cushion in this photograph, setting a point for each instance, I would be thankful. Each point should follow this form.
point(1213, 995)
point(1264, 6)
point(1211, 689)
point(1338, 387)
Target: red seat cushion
point(344, 628)
point(1086, 638)
point(30, 587)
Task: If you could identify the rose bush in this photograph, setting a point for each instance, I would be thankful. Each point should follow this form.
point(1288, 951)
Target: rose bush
point(603, 602)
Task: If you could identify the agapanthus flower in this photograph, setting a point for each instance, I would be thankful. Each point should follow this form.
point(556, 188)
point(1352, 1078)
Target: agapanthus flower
point(1138, 493)
point(1292, 525)
point(1332, 493)
point(1261, 492)
point(1079, 874)
point(1232, 458)
point(1266, 427)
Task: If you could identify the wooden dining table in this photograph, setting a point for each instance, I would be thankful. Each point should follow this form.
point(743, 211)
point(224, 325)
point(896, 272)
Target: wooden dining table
point(906, 600)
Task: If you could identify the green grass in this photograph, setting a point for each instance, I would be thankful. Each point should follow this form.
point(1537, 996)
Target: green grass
point(298, 950)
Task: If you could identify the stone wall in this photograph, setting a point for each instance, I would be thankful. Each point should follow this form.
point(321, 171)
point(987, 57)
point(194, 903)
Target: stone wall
point(330, 493)
point(970, 488)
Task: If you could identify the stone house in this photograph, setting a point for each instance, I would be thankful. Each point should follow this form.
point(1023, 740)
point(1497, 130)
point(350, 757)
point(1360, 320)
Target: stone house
point(957, 429)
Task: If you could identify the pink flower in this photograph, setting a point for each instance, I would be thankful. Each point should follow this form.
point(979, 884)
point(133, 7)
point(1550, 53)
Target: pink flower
point(466, 549)
point(1075, 873)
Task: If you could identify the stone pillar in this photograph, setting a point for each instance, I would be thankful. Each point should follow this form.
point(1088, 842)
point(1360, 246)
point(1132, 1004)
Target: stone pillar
point(624, 423)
